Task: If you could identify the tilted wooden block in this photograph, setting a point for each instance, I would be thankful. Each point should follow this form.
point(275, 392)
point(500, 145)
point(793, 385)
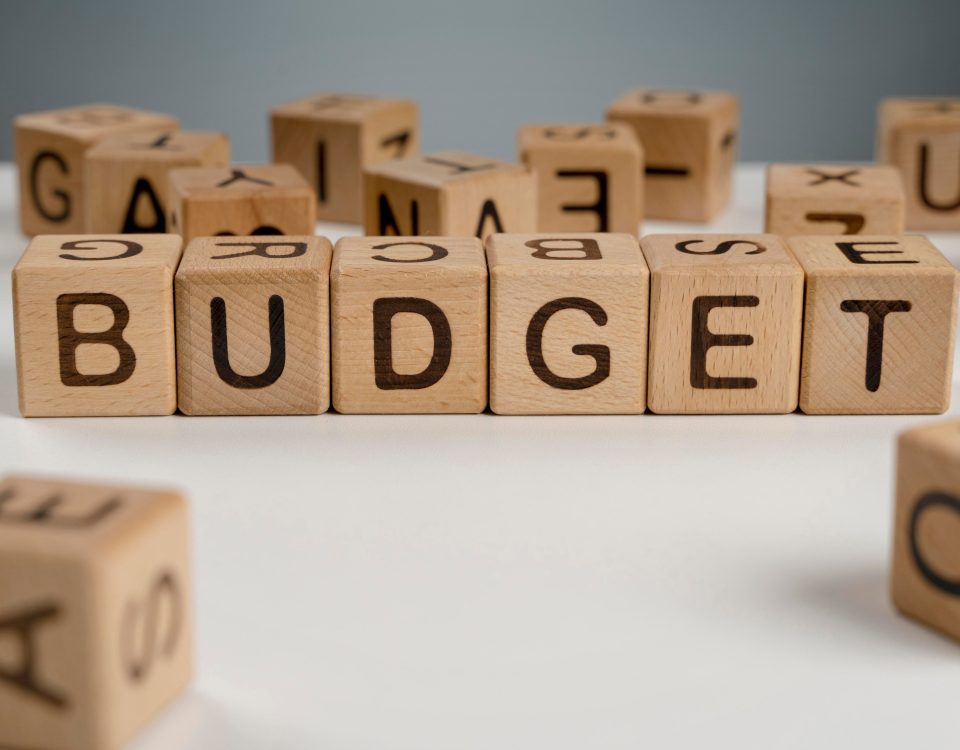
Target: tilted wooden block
point(409, 325)
point(49, 149)
point(689, 141)
point(93, 316)
point(330, 138)
point(589, 176)
point(253, 325)
point(96, 623)
point(879, 325)
point(448, 193)
point(725, 319)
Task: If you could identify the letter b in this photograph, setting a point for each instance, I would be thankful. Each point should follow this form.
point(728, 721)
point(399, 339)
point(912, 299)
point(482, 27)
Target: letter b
point(70, 339)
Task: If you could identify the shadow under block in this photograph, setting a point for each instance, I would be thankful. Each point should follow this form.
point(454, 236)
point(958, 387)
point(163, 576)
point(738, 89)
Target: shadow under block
point(922, 138)
point(725, 319)
point(833, 199)
point(409, 325)
point(879, 326)
point(253, 325)
point(93, 319)
point(331, 138)
point(568, 324)
point(689, 141)
point(96, 623)
point(589, 176)
point(449, 193)
point(126, 177)
point(252, 199)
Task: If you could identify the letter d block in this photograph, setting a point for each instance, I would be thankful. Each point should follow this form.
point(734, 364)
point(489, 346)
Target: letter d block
point(96, 632)
point(93, 316)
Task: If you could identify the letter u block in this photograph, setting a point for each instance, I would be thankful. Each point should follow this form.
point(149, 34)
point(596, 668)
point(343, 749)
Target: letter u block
point(725, 319)
point(253, 326)
point(568, 324)
point(93, 317)
point(96, 624)
point(409, 325)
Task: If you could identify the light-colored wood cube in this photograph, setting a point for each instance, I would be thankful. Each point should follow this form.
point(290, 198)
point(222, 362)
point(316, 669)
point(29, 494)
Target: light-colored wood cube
point(922, 138)
point(96, 618)
point(253, 325)
point(244, 200)
point(409, 325)
point(449, 193)
point(833, 199)
point(725, 319)
point(689, 141)
point(49, 148)
point(879, 325)
point(589, 176)
point(330, 138)
point(126, 177)
point(568, 324)
point(93, 317)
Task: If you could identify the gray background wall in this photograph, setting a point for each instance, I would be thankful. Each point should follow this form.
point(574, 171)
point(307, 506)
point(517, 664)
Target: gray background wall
point(809, 72)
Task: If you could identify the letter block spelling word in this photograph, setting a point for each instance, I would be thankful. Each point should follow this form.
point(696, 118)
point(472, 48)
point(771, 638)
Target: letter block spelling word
point(409, 325)
point(253, 325)
point(689, 141)
point(589, 177)
point(49, 148)
point(820, 199)
point(93, 317)
point(922, 138)
point(126, 177)
point(725, 319)
point(449, 193)
point(879, 326)
point(568, 324)
point(330, 138)
point(270, 199)
point(96, 624)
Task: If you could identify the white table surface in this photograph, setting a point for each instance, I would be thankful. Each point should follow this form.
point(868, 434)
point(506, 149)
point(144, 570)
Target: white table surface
point(461, 582)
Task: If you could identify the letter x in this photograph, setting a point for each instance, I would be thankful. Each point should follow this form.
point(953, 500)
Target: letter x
point(237, 175)
point(843, 177)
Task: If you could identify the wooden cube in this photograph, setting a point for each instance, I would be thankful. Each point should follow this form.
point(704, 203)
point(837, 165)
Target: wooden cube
point(568, 324)
point(448, 193)
point(725, 319)
point(922, 138)
point(253, 325)
point(49, 149)
point(833, 199)
point(93, 317)
point(126, 177)
point(252, 199)
point(331, 138)
point(409, 325)
point(589, 177)
point(879, 325)
point(689, 141)
point(96, 623)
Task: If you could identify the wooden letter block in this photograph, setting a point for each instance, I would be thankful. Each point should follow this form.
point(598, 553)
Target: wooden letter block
point(879, 325)
point(409, 325)
point(253, 199)
point(922, 138)
point(331, 138)
point(50, 147)
point(689, 141)
point(126, 177)
point(96, 624)
point(725, 319)
point(449, 193)
point(568, 324)
point(822, 199)
point(93, 317)
point(589, 177)
point(253, 325)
